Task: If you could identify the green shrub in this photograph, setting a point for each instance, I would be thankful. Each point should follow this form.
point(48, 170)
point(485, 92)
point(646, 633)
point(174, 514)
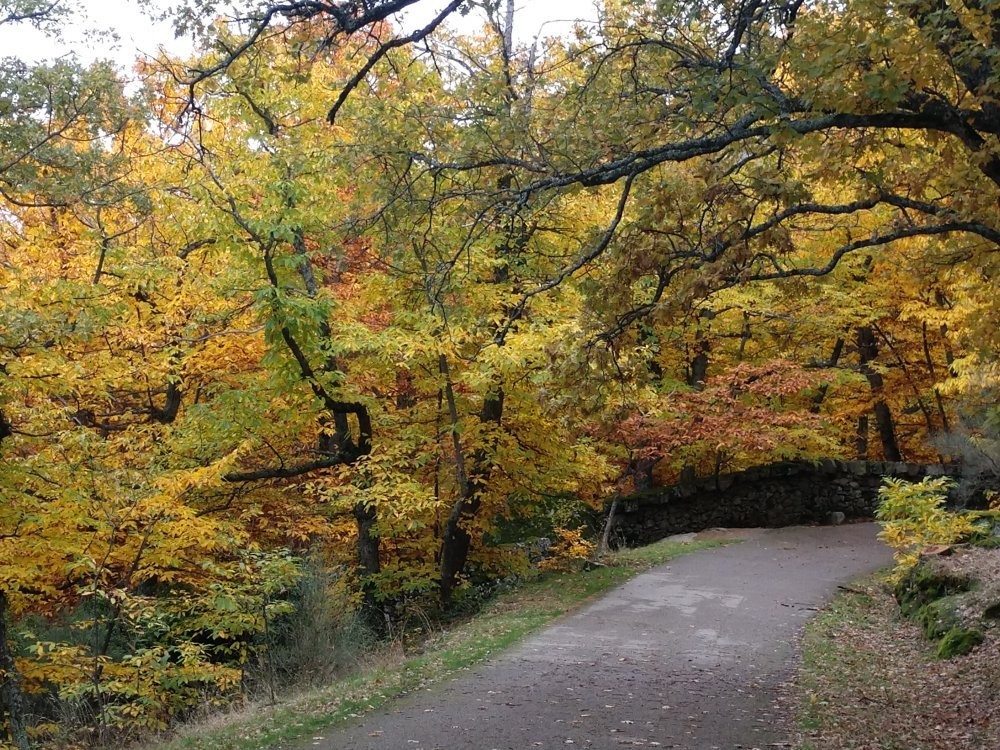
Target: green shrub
point(319, 637)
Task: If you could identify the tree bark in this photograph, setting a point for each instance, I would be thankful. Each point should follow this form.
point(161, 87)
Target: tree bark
point(820, 397)
point(11, 699)
point(6, 429)
point(365, 515)
point(698, 366)
point(861, 438)
point(867, 353)
point(696, 375)
point(369, 565)
point(609, 524)
point(456, 541)
point(932, 371)
point(455, 538)
point(911, 381)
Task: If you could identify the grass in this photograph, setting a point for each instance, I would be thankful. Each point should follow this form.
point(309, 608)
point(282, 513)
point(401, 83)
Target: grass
point(502, 622)
point(832, 664)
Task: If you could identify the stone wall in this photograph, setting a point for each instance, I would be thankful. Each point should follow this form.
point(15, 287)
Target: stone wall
point(776, 495)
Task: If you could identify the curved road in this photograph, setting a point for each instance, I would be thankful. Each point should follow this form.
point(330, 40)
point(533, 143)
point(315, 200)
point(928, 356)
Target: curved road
point(690, 655)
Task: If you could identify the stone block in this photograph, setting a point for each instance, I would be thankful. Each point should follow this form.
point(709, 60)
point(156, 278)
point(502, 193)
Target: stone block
point(857, 468)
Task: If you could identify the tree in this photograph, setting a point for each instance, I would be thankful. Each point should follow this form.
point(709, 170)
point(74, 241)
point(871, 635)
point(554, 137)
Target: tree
point(750, 97)
point(755, 95)
point(748, 415)
point(335, 287)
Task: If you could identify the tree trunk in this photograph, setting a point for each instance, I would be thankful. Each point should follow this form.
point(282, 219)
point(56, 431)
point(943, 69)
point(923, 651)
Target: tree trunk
point(861, 438)
point(696, 375)
point(365, 514)
point(820, 397)
point(867, 352)
point(887, 432)
point(369, 565)
point(745, 336)
point(699, 368)
point(609, 524)
point(11, 700)
point(932, 372)
point(910, 379)
point(368, 549)
point(455, 545)
point(456, 542)
point(455, 539)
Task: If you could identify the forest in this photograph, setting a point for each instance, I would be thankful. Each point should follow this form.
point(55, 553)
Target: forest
point(343, 309)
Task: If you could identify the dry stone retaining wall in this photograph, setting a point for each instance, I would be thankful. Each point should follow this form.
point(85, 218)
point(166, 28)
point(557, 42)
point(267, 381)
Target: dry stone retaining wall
point(776, 495)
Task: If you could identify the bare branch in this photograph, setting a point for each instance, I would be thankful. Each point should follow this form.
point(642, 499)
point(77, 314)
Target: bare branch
point(383, 50)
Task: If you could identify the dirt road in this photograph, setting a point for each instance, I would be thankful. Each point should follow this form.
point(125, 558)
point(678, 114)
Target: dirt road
point(689, 655)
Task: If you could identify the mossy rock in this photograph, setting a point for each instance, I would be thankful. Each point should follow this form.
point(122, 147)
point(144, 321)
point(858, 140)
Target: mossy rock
point(939, 617)
point(926, 582)
point(959, 641)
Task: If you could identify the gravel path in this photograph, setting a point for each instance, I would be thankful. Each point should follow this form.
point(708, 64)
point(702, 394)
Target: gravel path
point(689, 655)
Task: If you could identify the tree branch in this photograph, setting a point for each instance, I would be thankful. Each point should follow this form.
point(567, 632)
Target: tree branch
point(383, 50)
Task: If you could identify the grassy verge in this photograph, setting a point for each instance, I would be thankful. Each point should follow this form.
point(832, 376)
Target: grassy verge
point(869, 679)
point(505, 620)
point(831, 664)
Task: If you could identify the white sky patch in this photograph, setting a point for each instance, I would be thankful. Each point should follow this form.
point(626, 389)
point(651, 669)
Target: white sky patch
point(120, 30)
point(534, 18)
point(123, 30)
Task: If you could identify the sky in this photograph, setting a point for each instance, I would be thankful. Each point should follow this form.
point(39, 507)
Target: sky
point(139, 34)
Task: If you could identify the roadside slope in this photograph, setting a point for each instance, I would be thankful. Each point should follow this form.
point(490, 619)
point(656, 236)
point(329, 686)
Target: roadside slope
point(689, 655)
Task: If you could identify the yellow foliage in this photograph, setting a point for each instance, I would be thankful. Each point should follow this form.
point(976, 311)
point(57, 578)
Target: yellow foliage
point(191, 341)
point(913, 516)
point(571, 549)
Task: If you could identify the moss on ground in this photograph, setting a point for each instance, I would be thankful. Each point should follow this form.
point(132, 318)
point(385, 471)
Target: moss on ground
point(938, 617)
point(959, 641)
point(947, 605)
point(927, 582)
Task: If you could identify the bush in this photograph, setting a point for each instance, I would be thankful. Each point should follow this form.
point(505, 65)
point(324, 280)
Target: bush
point(569, 552)
point(319, 637)
point(913, 516)
point(532, 518)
